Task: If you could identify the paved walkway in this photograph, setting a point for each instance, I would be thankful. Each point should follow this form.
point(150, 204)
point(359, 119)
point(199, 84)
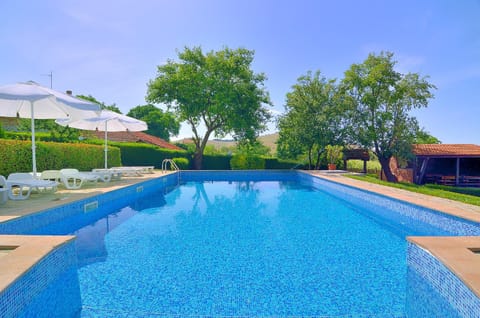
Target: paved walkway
point(463, 210)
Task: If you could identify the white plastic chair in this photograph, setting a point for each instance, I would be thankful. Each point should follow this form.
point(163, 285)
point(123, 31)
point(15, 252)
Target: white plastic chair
point(3, 190)
point(21, 184)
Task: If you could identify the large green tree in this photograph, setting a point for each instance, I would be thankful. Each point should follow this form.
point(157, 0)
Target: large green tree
point(312, 119)
point(216, 90)
point(424, 137)
point(161, 124)
point(113, 107)
point(380, 101)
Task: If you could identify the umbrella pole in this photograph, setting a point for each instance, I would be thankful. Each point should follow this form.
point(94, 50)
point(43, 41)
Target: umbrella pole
point(34, 157)
point(106, 147)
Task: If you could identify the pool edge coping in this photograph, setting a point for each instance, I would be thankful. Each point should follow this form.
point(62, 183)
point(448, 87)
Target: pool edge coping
point(26, 252)
point(456, 253)
point(374, 188)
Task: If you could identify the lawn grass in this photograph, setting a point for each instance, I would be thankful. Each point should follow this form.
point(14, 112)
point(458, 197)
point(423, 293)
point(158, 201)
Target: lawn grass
point(373, 166)
point(465, 195)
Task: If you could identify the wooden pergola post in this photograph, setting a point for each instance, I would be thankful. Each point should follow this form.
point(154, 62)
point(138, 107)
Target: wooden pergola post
point(457, 172)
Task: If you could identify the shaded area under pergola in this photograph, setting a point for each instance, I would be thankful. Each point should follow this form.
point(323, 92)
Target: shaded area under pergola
point(356, 154)
point(447, 164)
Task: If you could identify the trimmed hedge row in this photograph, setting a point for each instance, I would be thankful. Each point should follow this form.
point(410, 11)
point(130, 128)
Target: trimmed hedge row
point(274, 163)
point(22, 135)
point(139, 154)
point(216, 162)
point(246, 162)
point(16, 156)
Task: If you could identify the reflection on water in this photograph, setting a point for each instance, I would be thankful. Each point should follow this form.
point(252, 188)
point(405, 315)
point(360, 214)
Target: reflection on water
point(90, 242)
point(156, 199)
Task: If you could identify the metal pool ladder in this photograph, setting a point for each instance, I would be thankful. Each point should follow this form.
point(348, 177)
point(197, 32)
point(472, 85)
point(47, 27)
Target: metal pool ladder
point(172, 163)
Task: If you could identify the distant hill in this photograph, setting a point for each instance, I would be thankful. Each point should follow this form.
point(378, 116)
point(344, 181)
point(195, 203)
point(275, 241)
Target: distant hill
point(267, 140)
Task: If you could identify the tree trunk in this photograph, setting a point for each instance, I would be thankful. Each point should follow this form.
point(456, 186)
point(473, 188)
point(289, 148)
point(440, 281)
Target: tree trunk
point(385, 163)
point(317, 164)
point(310, 158)
point(197, 159)
point(199, 148)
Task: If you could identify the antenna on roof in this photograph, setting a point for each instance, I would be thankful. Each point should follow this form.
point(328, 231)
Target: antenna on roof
point(51, 78)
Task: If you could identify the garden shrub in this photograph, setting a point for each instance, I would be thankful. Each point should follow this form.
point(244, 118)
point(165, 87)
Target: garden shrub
point(238, 162)
point(244, 161)
point(182, 163)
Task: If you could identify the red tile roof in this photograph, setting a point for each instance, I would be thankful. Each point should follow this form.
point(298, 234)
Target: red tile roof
point(136, 136)
point(446, 150)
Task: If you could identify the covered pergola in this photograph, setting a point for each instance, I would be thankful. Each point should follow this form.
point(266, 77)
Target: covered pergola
point(447, 164)
point(356, 154)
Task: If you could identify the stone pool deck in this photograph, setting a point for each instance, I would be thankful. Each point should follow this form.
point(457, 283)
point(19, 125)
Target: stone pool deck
point(459, 254)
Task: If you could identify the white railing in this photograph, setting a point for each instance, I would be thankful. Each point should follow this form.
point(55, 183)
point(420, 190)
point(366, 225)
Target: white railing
point(172, 163)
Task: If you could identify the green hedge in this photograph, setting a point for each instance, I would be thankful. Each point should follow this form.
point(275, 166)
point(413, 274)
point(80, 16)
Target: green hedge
point(216, 162)
point(182, 163)
point(21, 135)
point(274, 163)
point(139, 154)
point(16, 156)
point(243, 162)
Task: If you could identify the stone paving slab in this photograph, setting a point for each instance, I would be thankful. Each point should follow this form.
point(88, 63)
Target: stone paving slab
point(463, 210)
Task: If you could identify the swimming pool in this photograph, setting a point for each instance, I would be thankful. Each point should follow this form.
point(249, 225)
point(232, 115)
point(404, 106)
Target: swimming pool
point(254, 244)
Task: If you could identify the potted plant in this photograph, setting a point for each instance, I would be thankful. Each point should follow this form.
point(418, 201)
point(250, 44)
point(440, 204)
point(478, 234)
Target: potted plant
point(334, 154)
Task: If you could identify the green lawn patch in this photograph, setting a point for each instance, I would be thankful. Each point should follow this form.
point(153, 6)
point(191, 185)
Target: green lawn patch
point(465, 195)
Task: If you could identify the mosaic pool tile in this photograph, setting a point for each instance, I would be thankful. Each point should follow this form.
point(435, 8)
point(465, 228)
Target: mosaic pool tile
point(284, 292)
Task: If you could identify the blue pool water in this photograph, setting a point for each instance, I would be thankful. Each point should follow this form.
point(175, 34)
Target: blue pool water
point(267, 248)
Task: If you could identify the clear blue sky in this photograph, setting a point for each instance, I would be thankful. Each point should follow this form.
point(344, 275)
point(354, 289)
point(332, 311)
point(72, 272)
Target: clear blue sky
point(110, 49)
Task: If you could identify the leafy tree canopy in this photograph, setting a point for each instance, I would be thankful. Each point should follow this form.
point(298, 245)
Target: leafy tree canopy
point(379, 100)
point(255, 148)
point(161, 124)
point(424, 137)
point(312, 120)
point(216, 89)
point(113, 107)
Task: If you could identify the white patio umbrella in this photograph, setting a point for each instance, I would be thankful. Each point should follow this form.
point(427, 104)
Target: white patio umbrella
point(106, 121)
point(31, 100)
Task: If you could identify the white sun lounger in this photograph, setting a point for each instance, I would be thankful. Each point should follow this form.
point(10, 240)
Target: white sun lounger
point(107, 173)
point(21, 184)
point(128, 171)
point(74, 179)
point(145, 169)
point(4, 188)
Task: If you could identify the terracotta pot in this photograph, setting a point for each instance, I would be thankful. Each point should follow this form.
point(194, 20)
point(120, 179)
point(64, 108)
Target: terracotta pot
point(332, 166)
